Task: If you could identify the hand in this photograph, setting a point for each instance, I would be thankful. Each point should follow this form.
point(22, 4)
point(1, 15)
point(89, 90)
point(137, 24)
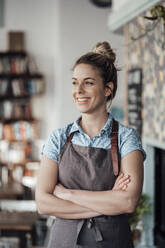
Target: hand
point(61, 192)
point(122, 182)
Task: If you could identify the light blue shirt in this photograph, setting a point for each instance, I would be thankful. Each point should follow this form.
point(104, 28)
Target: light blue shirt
point(128, 139)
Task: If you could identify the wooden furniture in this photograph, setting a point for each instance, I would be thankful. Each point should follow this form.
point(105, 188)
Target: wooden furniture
point(11, 190)
point(14, 220)
point(18, 218)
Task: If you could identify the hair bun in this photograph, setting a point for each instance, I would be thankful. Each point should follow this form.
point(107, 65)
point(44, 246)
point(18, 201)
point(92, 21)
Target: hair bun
point(105, 49)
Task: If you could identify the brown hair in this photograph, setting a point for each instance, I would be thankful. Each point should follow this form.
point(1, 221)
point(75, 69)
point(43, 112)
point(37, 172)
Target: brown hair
point(102, 57)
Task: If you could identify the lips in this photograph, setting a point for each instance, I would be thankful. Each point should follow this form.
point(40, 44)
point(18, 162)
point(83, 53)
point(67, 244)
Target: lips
point(82, 99)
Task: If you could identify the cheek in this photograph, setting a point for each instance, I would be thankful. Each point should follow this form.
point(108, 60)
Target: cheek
point(73, 96)
point(100, 93)
point(73, 93)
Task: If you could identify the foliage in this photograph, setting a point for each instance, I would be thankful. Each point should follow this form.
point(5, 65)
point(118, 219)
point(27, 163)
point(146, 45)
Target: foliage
point(142, 208)
point(157, 15)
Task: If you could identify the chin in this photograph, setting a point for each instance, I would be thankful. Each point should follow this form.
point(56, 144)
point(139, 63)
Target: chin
point(83, 111)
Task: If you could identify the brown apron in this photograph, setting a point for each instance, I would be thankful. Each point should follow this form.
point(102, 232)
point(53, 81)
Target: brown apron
point(96, 169)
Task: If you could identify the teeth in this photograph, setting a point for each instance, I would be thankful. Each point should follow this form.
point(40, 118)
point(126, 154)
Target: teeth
point(82, 99)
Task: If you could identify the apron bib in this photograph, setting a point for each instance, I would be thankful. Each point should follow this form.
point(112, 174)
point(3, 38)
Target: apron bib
point(95, 169)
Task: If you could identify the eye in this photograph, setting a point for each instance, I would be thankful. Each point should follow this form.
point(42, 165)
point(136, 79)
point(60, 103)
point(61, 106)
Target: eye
point(74, 83)
point(89, 83)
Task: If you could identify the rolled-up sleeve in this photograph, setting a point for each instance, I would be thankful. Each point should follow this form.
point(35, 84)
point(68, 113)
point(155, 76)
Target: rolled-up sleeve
point(130, 141)
point(51, 148)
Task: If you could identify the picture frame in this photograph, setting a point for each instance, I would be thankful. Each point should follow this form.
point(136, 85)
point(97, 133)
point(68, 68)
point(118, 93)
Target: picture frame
point(134, 99)
point(16, 41)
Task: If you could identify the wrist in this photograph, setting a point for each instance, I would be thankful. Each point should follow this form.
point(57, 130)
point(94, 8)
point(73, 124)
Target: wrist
point(70, 195)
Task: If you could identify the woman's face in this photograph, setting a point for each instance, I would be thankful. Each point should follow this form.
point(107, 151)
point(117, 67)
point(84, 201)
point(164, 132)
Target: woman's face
point(88, 90)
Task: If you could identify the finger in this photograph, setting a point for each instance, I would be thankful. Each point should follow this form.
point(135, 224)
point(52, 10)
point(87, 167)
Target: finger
point(124, 183)
point(125, 178)
point(58, 185)
point(119, 177)
point(61, 186)
point(57, 188)
point(127, 181)
point(124, 187)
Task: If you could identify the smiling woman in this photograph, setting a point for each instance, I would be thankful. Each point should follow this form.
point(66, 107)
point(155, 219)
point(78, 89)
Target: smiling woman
point(91, 165)
point(88, 89)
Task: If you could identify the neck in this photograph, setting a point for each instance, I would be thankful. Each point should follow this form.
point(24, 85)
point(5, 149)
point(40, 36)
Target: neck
point(92, 124)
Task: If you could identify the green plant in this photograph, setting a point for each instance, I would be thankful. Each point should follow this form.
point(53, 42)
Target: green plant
point(142, 208)
point(157, 15)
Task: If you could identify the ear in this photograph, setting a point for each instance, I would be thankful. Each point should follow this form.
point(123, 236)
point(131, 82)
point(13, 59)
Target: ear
point(109, 88)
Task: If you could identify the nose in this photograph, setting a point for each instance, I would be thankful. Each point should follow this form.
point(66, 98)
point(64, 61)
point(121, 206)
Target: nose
point(80, 88)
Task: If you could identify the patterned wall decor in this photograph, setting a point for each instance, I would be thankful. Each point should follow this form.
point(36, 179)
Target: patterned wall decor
point(148, 54)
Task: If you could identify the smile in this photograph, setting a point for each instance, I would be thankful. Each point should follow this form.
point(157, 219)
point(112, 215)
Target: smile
point(82, 100)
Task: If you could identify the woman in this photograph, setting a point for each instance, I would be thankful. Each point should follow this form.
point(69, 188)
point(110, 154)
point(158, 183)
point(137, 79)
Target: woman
point(91, 172)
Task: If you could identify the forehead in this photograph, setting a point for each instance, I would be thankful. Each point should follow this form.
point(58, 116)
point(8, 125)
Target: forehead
point(86, 70)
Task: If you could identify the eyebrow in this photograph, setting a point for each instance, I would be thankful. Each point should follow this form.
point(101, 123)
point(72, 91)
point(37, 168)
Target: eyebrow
point(86, 78)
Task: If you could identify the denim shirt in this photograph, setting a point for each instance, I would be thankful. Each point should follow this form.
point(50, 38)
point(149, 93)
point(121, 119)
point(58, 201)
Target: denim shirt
point(128, 139)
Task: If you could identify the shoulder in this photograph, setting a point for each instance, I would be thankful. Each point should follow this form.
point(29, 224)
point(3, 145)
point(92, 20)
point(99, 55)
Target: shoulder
point(129, 140)
point(61, 133)
point(125, 131)
point(56, 141)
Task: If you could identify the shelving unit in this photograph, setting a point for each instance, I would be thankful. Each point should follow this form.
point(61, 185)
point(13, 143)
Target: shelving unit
point(19, 81)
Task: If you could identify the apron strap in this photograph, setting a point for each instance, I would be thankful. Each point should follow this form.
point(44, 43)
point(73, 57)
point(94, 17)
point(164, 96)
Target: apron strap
point(114, 147)
point(69, 138)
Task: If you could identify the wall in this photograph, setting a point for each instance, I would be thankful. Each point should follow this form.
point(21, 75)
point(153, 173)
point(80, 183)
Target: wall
point(39, 20)
point(82, 26)
point(119, 4)
point(57, 32)
point(148, 52)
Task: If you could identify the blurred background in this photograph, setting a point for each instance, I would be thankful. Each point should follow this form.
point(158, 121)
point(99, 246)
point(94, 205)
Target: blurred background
point(39, 43)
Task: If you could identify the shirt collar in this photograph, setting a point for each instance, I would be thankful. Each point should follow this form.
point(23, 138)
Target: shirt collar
point(107, 127)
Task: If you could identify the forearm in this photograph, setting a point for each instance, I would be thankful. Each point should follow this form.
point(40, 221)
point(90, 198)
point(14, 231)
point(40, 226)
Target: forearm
point(105, 202)
point(113, 202)
point(49, 204)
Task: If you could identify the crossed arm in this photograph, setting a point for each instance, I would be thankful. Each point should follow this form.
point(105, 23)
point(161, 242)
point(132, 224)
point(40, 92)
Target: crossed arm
point(53, 199)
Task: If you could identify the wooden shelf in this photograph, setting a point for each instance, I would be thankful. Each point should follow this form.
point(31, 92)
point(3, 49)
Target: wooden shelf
point(13, 54)
point(20, 163)
point(13, 220)
point(21, 75)
point(6, 121)
point(12, 97)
